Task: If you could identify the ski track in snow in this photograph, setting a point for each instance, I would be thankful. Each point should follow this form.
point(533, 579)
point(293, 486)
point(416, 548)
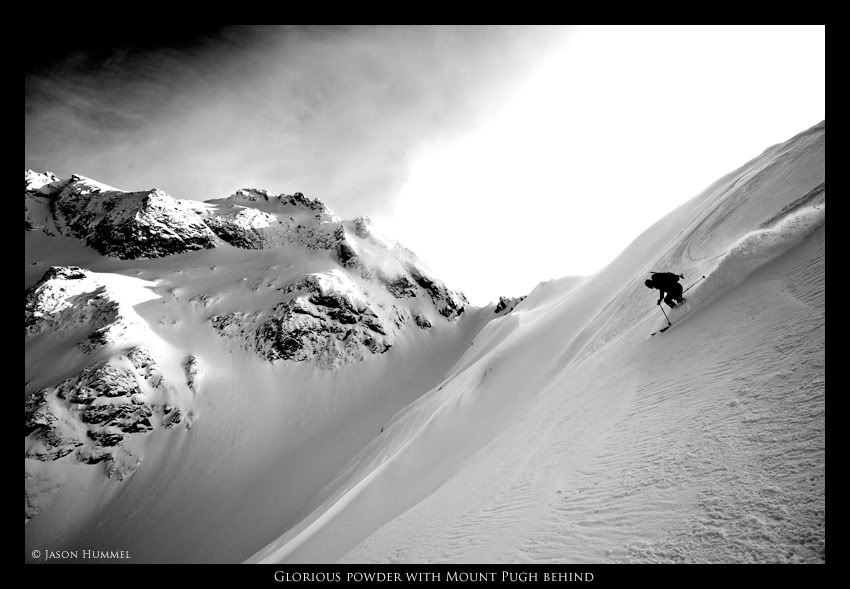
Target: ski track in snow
point(702, 445)
point(752, 251)
point(722, 464)
point(558, 433)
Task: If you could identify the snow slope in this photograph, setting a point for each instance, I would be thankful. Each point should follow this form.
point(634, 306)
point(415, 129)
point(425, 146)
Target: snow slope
point(565, 434)
point(156, 411)
point(552, 430)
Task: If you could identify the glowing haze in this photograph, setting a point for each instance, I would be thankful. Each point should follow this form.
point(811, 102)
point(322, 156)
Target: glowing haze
point(503, 156)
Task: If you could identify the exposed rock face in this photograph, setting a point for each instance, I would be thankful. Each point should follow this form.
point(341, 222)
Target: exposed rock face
point(450, 304)
point(145, 366)
point(146, 224)
point(355, 295)
point(66, 296)
point(399, 286)
point(99, 380)
point(332, 324)
point(346, 253)
point(422, 321)
point(193, 369)
point(50, 436)
point(171, 416)
point(252, 218)
point(72, 301)
point(506, 305)
point(246, 228)
point(89, 416)
point(152, 224)
point(69, 297)
point(127, 417)
point(329, 317)
point(329, 321)
point(254, 196)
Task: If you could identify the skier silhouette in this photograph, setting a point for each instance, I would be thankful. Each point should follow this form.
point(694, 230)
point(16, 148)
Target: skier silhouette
point(667, 283)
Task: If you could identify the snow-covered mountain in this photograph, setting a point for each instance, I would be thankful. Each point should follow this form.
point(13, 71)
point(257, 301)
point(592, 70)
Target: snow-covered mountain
point(277, 276)
point(254, 379)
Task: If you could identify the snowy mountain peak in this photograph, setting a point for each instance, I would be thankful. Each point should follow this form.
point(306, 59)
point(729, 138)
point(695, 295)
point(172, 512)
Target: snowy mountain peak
point(366, 279)
point(312, 391)
point(135, 330)
point(36, 181)
point(254, 196)
point(507, 304)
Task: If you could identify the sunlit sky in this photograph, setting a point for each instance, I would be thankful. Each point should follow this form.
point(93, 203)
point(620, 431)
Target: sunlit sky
point(502, 156)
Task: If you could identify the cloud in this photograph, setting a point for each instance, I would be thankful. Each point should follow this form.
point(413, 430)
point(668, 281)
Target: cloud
point(334, 112)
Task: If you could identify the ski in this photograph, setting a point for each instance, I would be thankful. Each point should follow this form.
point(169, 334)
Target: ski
point(682, 301)
point(663, 329)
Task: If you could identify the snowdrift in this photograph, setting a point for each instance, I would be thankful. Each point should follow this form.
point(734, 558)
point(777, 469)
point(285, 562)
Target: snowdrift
point(425, 491)
point(551, 430)
point(753, 250)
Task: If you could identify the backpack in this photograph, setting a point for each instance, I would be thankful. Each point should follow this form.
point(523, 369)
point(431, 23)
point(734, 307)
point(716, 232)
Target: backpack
point(664, 278)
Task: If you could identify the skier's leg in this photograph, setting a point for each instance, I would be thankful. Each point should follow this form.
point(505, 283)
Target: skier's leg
point(677, 293)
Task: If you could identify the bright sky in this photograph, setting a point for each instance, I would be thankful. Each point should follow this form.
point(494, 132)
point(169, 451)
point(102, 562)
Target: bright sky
point(610, 133)
point(503, 156)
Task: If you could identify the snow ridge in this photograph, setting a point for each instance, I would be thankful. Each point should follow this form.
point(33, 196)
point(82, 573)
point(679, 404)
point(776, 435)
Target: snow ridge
point(754, 250)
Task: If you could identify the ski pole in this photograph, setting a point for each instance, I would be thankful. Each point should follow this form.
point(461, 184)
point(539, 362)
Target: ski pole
point(665, 315)
point(690, 287)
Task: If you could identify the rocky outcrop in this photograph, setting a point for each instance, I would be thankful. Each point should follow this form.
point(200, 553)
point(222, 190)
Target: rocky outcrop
point(450, 304)
point(99, 380)
point(171, 416)
point(329, 318)
point(329, 321)
point(49, 436)
point(146, 366)
point(71, 298)
point(126, 417)
point(422, 321)
point(151, 224)
point(127, 225)
point(252, 218)
point(146, 224)
point(400, 287)
point(193, 369)
point(268, 200)
point(247, 228)
point(366, 292)
point(90, 415)
point(346, 252)
point(506, 305)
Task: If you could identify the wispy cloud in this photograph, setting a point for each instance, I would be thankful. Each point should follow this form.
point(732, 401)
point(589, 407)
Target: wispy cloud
point(334, 112)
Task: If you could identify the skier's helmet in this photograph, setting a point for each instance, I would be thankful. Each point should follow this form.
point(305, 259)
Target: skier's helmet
point(648, 283)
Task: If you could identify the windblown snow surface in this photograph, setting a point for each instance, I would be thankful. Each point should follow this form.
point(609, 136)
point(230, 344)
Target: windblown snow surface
point(560, 432)
point(565, 434)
